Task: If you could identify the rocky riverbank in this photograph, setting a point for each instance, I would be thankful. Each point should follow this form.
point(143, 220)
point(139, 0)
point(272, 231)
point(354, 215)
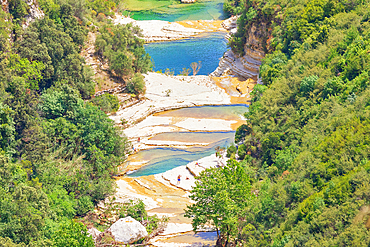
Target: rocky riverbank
point(246, 66)
point(165, 197)
point(156, 30)
point(162, 193)
point(165, 93)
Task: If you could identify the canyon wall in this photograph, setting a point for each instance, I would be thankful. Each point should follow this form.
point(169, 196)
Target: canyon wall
point(248, 65)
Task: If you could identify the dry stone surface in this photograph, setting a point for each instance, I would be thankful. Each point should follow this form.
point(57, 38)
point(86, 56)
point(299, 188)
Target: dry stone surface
point(128, 230)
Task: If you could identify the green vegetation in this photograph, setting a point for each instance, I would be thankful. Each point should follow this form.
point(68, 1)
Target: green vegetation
point(122, 48)
point(136, 85)
point(58, 151)
point(305, 146)
point(106, 102)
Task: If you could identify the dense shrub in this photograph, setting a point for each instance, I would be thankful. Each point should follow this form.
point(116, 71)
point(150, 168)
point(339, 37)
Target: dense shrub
point(106, 102)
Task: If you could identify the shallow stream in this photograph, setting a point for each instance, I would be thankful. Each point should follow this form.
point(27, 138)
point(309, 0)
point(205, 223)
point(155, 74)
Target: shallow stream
point(166, 158)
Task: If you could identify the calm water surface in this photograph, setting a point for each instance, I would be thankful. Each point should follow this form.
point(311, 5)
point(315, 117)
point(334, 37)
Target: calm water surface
point(227, 112)
point(179, 54)
point(164, 159)
point(173, 10)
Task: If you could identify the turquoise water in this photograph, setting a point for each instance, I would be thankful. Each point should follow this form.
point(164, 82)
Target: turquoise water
point(226, 112)
point(164, 159)
point(176, 55)
point(170, 10)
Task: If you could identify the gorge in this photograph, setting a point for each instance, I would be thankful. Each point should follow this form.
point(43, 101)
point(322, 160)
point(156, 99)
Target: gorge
point(97, 148)
point(170, 143)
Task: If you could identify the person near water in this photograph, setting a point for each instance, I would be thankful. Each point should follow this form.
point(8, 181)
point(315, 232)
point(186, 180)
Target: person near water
point(178, 179)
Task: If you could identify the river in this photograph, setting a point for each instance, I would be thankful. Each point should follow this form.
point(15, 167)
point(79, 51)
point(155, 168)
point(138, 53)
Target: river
point(177, 55)
point(172, 140)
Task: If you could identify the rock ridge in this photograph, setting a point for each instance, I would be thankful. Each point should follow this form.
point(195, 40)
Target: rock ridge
point(246, 66)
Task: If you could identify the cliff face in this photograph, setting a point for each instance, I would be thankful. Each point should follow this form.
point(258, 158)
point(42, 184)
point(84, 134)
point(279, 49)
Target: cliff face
point(34, 11)
point(248, 65)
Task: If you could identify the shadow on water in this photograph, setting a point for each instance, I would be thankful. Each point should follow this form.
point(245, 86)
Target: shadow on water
point(179, 54)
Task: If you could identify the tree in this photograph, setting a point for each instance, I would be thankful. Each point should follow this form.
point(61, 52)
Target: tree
point(23, 213)
point(136, 85)
point(195, 66)
point(121, 64)
point(7, 129)
point(220, 195)
point(308, 84)
point(106, 102)
point(72, 233)
point(122, 47)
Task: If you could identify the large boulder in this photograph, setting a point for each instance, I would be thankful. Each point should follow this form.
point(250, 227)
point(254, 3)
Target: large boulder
point(128, 230)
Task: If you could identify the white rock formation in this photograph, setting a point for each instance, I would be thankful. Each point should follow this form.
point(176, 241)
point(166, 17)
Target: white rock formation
point(185, 91)
point(156, 30)
point(128, 230)
point(34, 13)
point(246, 66)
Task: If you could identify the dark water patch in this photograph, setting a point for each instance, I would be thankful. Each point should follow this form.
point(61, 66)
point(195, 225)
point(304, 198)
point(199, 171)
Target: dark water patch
point(200, 239)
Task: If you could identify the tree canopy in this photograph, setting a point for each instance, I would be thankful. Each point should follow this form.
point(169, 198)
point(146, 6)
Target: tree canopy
point(58, 151)
point(305, 145)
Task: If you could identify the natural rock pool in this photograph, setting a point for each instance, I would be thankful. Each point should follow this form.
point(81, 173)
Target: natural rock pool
point(177, 55)
point(169, 140)
point(173, 10)
point(161, 159)
point(164, 159)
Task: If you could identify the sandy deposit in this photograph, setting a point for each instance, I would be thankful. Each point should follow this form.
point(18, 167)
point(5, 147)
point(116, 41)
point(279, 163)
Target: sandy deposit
point(156, 30)
point(165, 196)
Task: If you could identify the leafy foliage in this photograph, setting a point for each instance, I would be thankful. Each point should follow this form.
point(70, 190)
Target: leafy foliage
point(221, 194)
point(307, 149)
point(57, 152)
point(72, 234)
point(106, 102)
point(123, 48)
point(136, 85)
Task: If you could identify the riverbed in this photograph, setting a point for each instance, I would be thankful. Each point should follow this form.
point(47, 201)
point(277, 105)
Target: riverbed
point(181, 121)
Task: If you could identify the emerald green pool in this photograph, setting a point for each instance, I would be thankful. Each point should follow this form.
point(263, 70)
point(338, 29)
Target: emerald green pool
point(174, 10)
